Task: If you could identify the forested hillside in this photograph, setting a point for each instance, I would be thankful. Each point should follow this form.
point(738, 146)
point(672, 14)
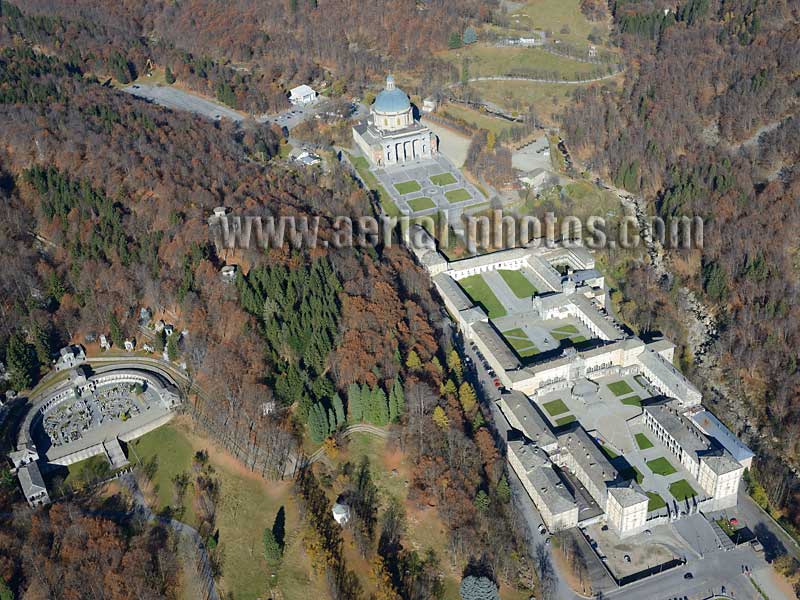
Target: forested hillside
point(105, 200)
point(245, 53)
point(703, 83)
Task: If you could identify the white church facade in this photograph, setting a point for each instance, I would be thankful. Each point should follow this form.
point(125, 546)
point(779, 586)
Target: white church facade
point(391, 135)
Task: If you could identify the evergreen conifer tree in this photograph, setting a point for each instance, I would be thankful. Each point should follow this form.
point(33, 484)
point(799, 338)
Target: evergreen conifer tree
point(338, 408)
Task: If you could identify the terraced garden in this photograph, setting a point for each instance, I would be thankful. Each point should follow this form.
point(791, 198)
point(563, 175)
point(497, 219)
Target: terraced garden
point(518, 340)
point(567, 332)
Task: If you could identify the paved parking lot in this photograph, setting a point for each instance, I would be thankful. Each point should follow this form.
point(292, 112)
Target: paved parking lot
point(178, 99)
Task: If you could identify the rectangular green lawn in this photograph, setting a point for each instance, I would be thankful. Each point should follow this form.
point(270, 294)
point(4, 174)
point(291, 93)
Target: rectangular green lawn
point(632, 401)
point(421, 204)
point(407, 187)
point(476, 288)
point(620, 388)
point(682, 490)
point(519, 284)
point(522, 345)
point(661, 466)
point(565, 420)
point(443, 179)
point(459, 195)
point(643, 442)
point(555, 407)
point(656, 501)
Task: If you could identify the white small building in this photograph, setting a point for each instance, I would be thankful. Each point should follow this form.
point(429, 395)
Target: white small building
point(228, 272)
point(429, 104)
point(148, 348)
point(302, 95)
point(220, 211)
point(539, 179)
point(105, 343)
point(341, 513)
point(69, 356)
point(169, 329)
point(307, 158)
point(130, 345)
point(160, 326)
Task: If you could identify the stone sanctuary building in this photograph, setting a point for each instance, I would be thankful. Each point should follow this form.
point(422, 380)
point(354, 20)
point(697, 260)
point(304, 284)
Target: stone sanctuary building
point(391, 135)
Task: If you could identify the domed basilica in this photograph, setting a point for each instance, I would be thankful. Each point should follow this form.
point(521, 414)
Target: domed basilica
point(391, 135)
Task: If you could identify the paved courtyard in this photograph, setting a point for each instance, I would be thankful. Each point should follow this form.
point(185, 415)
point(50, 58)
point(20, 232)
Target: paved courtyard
point(639, 552)
point(428, 198)
point(605, 409)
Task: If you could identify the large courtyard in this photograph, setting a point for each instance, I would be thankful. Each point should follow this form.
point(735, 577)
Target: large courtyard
point(427, 186)
point(608, 408)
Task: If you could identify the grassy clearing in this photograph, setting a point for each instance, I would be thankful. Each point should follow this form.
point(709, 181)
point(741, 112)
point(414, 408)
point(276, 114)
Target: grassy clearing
point(565, 420)
point(519, 284)
point(556, 15)
point(459, 195)
point(407, 187)
point(620, 388)
point(284, 150)
point(656, 501)
point(682, 490)
point(555, 407)
point(87, 470)
point(478, 119)
point(248, 505)
point(476, 288)
point(661, 466)
point(443, 179)
point(643, 442)
point(423, 203)
point(547, 99)
point(362, 166)
point(632, 401)
point(486, 61)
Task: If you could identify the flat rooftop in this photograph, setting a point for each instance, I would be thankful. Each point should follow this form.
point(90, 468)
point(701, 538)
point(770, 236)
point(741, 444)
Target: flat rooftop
point(675, 381)
point(667, 414)
point(496, 345)
point(539, 471)
point(705, 420)
point(453, 292)
point(517, 406)
point(588, 456)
